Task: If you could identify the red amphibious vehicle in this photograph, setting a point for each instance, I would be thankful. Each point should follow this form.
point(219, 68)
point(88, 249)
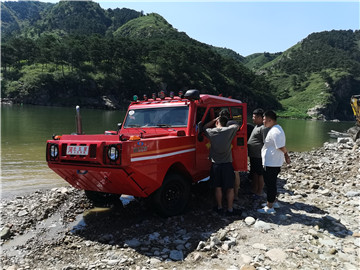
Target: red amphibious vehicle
point(157, 151)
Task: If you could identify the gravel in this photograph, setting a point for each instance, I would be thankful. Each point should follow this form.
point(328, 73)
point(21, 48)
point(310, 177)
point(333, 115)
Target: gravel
point(316, 227)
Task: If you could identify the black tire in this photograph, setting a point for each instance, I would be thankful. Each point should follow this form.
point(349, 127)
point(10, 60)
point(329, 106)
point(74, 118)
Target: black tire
point(101, 199)
point(173, 196)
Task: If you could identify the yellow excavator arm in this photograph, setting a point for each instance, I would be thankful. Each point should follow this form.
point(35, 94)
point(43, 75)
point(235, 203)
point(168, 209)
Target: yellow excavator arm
point(355, 105)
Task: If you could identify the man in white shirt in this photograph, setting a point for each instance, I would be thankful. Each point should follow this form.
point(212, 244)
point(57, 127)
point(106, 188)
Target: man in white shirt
point(273, 154)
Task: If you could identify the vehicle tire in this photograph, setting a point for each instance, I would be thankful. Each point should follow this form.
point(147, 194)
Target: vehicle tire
point(101, 199)
point(173, 196)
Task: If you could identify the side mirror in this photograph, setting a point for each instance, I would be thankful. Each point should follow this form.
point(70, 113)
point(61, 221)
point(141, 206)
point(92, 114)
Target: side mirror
point(119, 126)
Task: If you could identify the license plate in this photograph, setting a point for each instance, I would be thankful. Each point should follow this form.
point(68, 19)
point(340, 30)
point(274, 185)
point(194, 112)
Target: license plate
point(77, 150)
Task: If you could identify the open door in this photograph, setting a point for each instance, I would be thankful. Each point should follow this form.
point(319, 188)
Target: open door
point(239, 143)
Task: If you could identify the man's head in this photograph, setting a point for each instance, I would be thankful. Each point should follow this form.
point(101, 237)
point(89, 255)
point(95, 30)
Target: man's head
point(221, 121)
point(258, 116)
point(225, 113)
point(269, 118)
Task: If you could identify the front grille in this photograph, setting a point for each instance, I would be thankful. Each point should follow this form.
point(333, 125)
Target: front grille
point(63, 149)
point(92, 150)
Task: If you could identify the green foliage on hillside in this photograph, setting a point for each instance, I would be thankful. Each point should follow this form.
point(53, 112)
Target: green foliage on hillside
point(150, 26)
point(74, 52)
point(257, 60)
point(322, 71)
point(73, 56)
point(229, 54)
point(15, 17)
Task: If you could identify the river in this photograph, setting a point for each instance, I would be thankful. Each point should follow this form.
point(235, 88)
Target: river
point(25, 129)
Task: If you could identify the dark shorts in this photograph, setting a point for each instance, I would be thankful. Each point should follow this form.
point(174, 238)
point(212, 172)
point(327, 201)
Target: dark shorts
point(222, 175)
point(256, 166)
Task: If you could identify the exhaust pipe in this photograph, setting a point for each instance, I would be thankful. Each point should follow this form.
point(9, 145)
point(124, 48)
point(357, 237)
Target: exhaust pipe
point(78, 121)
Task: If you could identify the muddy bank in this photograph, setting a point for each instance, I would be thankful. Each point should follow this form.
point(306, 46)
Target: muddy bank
point(317, 226)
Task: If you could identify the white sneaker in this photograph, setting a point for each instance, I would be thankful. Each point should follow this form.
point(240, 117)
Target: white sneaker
point(275, 205)
point(267, 210)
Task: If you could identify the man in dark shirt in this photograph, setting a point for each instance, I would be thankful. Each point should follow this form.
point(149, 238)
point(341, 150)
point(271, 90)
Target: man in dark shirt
point(222, 172)
point(255, 143)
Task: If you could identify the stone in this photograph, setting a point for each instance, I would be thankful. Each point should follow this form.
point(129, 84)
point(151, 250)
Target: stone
point(201, 245)
point(262, 225)
point(324, 192)
point(112, 262)
point(250, 221)
point(12, 267)
point(5, 233)
point(247, 267)
point(352, 193)
point(155, 261)
point(133, 243)
point(357, 242)
point(225, 246)
point(214, 241)
point(154, 236)
point(63, 190)
point(327, 242)
point(222, 235)
point(276, 254)
point(197, 257)
point(259, 246)
point(22, 213)
point(176, 255)
point(343, 140)
point(246, 258)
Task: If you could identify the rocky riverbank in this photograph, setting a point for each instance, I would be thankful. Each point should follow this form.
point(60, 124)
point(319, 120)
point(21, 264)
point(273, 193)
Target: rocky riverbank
point(317, 226)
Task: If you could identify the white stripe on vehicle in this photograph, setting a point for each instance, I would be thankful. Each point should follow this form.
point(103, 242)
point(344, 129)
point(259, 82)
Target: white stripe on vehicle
point(163, 155)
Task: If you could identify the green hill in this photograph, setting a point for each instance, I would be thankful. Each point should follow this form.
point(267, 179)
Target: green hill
point(150, 27)
point(16, 17)
point(316, 77)
point(77, 53)
point(258, 60)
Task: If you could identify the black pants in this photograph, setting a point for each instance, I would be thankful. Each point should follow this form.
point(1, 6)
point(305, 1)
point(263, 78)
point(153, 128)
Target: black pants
point(270, 177)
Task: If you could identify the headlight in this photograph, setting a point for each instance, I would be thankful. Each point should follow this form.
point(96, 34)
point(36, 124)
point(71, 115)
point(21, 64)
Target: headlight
point(113, 153)
point(54, 150)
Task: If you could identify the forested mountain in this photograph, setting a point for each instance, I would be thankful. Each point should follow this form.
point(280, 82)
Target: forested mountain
point(78, 53)
point(317, 76)
point(15, 17)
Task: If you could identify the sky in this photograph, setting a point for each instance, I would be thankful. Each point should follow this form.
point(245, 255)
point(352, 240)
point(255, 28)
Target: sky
point(249, 27)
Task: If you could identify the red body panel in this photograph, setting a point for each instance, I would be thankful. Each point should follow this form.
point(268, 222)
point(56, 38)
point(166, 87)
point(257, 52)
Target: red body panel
point(144, 160)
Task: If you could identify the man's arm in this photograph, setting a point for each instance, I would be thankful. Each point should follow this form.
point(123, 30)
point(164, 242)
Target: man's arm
point(286, 155)
point(235, 126)
point(210, 123)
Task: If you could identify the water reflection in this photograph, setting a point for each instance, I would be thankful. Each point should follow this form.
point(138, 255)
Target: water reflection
point(24, 131)
point(304, 135)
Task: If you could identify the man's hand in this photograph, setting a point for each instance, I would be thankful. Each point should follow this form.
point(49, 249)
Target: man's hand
point(287, 158)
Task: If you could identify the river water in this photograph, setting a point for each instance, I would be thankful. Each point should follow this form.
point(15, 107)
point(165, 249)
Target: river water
point(25, 129)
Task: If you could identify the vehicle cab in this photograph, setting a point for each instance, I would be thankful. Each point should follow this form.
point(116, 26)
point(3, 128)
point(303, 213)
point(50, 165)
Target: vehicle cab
point(156, 152)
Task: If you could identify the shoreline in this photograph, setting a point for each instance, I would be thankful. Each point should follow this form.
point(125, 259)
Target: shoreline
point(316, 227)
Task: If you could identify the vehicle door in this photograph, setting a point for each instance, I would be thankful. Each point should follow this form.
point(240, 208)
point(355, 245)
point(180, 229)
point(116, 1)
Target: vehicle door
point(239, 143)
point(203, 163)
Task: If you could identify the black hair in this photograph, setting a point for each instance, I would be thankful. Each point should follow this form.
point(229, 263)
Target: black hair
point(271, 115)
point(258, 112)
point(225, 113)
point(223, 121)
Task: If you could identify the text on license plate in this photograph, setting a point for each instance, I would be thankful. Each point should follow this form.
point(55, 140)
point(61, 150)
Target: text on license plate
point(77, 150)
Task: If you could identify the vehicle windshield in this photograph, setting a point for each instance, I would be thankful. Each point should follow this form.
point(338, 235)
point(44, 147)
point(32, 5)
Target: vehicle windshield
point(158, 117)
